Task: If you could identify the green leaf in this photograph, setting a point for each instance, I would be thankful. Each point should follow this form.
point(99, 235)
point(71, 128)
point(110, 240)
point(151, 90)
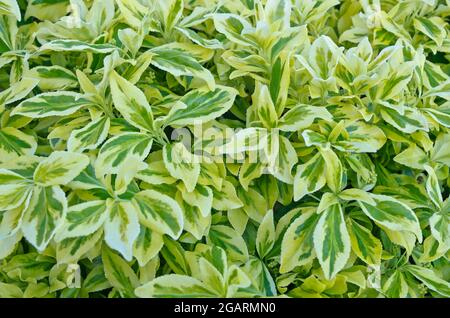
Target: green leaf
point(408, 122)
point(194, 221)
point(119, 273)
point(440, 227)
point(155, 173)
point(361, 138)
point(77, 46)
point(181, 164)
point(442, 116)
point(413, 157)
point(396, 286)
point(201, 197)
point(174, 286)
point(10, 290)
point(200, 106)
point(96, 280)
point(226, 198)
point(178, 62)
point(44, 215)
point(309, 177)
point(60, 168)
point(302, 116)
point(197, 39)
point(334, 173)
point(265, 237)
point(251, 201)
point(356, 194)
point(159, 212)
point(115, 153)
point(440, 151)
point(265, 108)
point(51, 104)
point(15, 143)
point(286, 158)
point(122, 228)
point(14, 189)
point(29, 267)
point(8, 244)
point(10, 7)
point(433, 188)
point(433, 27)
point(11, 220)
point(392, 214)
point(84, 219)
point(289, 40)
point(17, 91)
point(147, 245)
point(227, 238)
point(297, 247)
point(174, 254)
point(54, 77)
point(172, 11)
point(131, 102)
point(90, 136)
point(233, 27)
point(70, 250)
point(278, 12)
point(364, 244)
point(430, 279)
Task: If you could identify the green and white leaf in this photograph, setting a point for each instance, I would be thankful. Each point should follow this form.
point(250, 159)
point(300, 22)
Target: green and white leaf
point(178, 62)
point(60, 167)
point(51, 104)
point(174, 286)
point(114, 153)
point(430, 279)
point(89, 137)
point(131, 102)
point(332, 241)
point(147, 245)
point(14, 189)
point(265, 236)
point(119, 273)
point(84, 219)
point(159, 212)
point(200, 105)
point(181, 164)
point(392, 214)
point(227, 238)
point(44, 215)
point(122, 228)
point(309, 177)
point(15, 143)
point(297, 247)
point(364, 243)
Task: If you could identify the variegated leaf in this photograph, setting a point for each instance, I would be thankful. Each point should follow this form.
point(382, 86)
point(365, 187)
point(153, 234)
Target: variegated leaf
point(392, 214)
point(297, 246)
point(60, 168)
point(114, 153)
point(131, 102)
point(122, 228)
point(178, 62)
point(159, 212)
point(51, 104)
point(44, 215)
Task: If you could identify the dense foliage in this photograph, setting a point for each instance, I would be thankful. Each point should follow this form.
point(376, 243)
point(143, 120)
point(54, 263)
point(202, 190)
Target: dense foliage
point(224, 148)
